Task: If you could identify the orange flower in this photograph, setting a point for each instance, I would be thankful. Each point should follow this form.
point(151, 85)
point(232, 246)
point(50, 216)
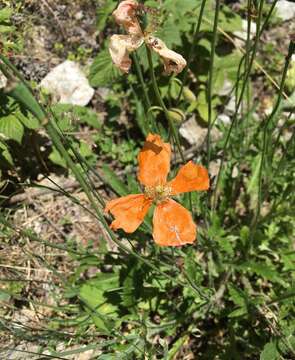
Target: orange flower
point(172, 223)
point(122, 45)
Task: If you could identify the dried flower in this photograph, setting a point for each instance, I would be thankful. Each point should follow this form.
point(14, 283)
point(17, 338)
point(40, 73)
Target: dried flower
point(122, 45)
point(172, 223)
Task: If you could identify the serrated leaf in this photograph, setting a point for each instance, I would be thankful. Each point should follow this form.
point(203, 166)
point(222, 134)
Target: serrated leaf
point(262, 269)
point(11, 128)
point(170, 33)
point(102, 70)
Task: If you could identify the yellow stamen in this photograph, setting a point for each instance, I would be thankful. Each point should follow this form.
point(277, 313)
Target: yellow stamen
point(158, 193)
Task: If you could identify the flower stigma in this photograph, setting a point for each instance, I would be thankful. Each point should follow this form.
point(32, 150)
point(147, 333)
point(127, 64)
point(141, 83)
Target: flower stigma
point(158, 193)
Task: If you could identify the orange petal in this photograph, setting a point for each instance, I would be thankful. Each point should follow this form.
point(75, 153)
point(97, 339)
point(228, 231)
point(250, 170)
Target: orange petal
point(125, 15)
point(154, 161)
point(191, 177)
point(173, 225)
point(173, 62)
point(128, 211)
point(120, 47)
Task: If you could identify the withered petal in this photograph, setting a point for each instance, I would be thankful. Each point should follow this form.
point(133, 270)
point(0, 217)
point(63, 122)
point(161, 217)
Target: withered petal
point(120, 48)
point(173, 62)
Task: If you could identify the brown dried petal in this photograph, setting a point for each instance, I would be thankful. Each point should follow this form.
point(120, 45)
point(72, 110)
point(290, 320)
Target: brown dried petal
point(125, 15)
point(120, 47)
point(173, 62)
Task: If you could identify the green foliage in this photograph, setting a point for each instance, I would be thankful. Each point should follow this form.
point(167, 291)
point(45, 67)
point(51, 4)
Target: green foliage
point(105, 8)
point(102, 71)
point(10, 39)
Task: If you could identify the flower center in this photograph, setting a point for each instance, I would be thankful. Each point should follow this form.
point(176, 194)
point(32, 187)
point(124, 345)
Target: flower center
point(158, 194)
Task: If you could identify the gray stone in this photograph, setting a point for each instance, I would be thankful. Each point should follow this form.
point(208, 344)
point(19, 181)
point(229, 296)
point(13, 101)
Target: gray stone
point(195, 134)
point(285, 10)
point(192, 132)
point(68, 85)
point(242, 35)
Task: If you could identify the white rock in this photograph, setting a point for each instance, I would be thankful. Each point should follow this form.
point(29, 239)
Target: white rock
point(3, 81)
point(226, 88)
point(225, 119)
point(285, 10)
point(242, 35)
point(195, 134)
point(230, 107)
point(68, 85)
point(192, 132)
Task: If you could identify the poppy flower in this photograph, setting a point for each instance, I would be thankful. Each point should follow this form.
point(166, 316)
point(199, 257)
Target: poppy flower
point(122, 45)
point(172, 223)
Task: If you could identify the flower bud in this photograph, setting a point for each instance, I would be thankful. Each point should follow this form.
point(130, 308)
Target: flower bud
point(188, 95)
point(176, 115)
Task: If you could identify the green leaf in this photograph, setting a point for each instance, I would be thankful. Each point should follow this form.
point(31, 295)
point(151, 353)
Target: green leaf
point(270, 352)
point(67, 113)
point(29, 122)
point(237, 296)
point(4, 152)
point(56, 158)
point(97, 294)
point(238, 312)
point(11, 128)
point(5, 14)
point(170, 33)
point(141, 117)
point(202, 107)
point(229, 21)
point(4, 296)
point(192, 268)
point(180, 7)
point(103, 13)
point(253, 181)
point(114, 182)
point(102, 70)
point(268, 271)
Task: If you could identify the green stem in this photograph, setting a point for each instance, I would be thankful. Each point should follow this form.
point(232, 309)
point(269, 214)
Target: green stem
point(247, 57)
point(192, 49)
point(148, 103)
point(162, 104)
point(210, 80)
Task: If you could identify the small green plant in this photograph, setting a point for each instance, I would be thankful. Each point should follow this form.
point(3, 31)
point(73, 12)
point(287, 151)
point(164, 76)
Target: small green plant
point(229, 293)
